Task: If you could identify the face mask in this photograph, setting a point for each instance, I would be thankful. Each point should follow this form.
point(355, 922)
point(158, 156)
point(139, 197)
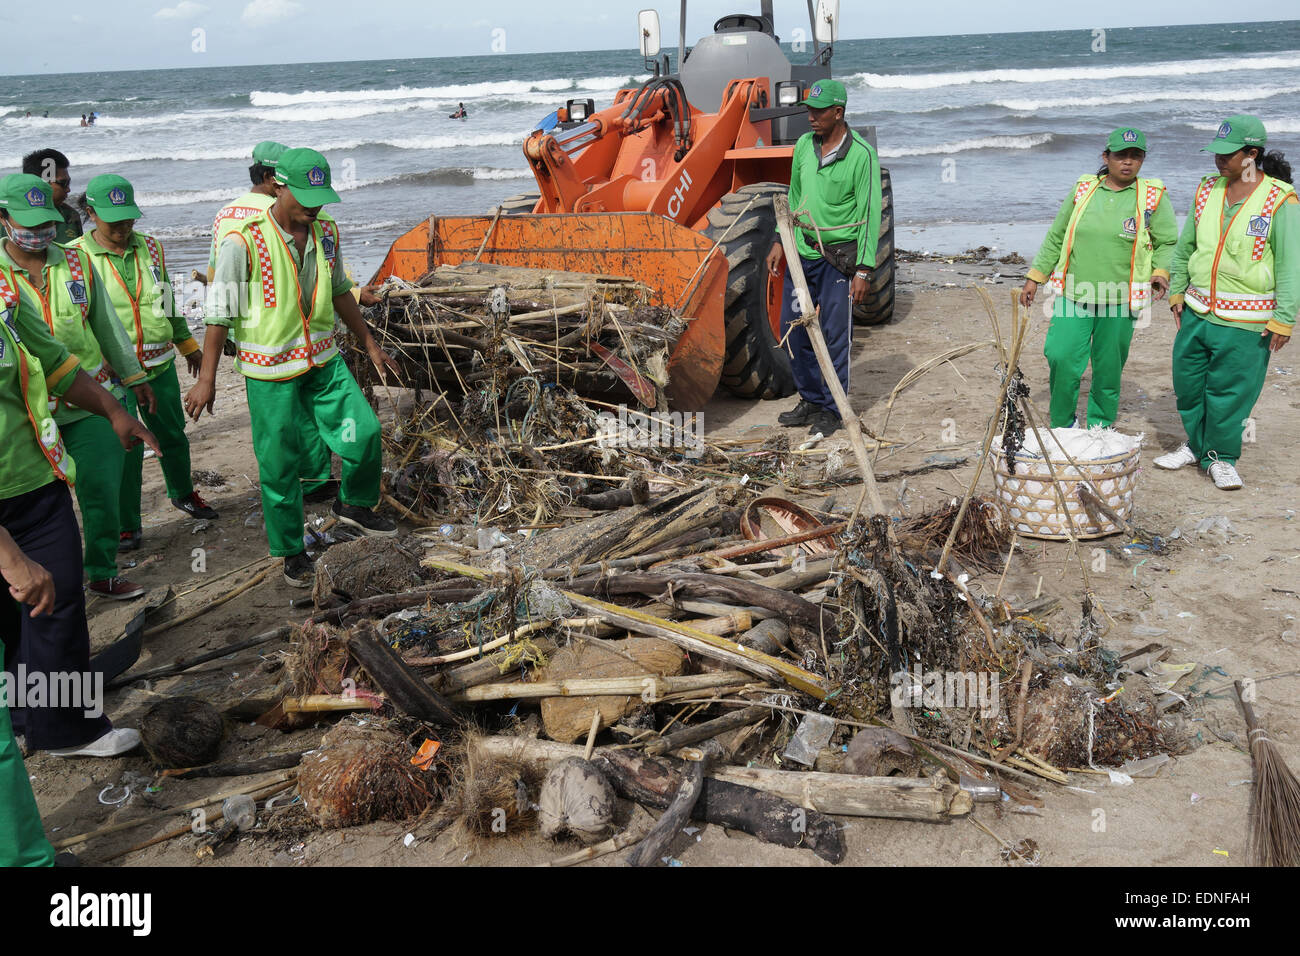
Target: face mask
point(31, 240)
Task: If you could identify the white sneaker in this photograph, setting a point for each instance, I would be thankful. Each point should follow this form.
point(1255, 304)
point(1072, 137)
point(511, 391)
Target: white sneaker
point(1177, 458)
point(113, 744)
point(1225, 476)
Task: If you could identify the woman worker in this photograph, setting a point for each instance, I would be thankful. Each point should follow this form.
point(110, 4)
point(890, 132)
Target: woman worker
point(36, 511)
point(1236, 288)
point(1108, 249)
point(134, 271)
point(75, 307)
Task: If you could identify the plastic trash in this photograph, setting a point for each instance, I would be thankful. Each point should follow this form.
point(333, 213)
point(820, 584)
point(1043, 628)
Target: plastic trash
point(1147, 767)
point(241, 810)
point(1146, 630)
point(814, 733)
point(489, 538)
point(254, 520)
point(981, 791)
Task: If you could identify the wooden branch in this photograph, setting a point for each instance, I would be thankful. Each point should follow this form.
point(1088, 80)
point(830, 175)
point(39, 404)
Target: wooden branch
point(185, 664)
point(400, 684)
point(897, 798)
point(650, 850)
point(707, 730)
point(647, 686)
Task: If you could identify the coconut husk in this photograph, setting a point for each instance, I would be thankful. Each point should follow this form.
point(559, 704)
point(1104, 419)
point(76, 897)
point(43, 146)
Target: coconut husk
point(182, 732)
point(576, 801)
point(567, 719)
point(490, 797)
point(362, 568)
point(361, 774)
point(1125, 728)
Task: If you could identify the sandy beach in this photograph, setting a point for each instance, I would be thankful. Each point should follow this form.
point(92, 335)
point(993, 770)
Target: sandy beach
point(1226, 601)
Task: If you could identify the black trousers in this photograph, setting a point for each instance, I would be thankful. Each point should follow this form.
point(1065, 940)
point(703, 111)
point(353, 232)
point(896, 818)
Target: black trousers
point(44, 526)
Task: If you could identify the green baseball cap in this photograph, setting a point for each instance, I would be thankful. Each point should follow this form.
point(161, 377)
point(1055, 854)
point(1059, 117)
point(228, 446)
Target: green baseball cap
point(27, 198)
point(307, 174)
point(826, 93)
point(1126, 137)
point(1237, 132)
point(112, 198)
point(268, 152)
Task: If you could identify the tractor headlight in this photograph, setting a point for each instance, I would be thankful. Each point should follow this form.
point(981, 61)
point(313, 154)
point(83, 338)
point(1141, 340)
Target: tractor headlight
point(788, 94)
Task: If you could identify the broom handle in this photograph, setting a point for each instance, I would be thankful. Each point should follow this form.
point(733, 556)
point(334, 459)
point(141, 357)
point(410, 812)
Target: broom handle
point(1252, 722)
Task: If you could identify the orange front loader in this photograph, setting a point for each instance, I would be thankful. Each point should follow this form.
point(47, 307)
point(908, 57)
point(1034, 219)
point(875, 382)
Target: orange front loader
point(678, 196)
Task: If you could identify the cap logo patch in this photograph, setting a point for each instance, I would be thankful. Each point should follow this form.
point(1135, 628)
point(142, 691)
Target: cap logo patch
point(1223, 132)
point(316, 176)
point(117, 196)
point(35, 198)
point(1130, 136)
point(817, 89)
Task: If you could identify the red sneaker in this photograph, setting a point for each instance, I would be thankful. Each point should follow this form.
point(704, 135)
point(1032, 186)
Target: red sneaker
point(194, 506)
point(115, 589)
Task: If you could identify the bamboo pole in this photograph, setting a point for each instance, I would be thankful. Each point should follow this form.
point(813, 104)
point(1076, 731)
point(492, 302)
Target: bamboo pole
point(647, 686)
point(809, 319)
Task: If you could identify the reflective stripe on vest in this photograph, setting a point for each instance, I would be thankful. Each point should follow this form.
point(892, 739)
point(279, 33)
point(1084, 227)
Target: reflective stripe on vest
point(1148, 192)
point(276, 339)
point(35, 397)
point(151, 354)
point(74, 266)
point(1230, 272)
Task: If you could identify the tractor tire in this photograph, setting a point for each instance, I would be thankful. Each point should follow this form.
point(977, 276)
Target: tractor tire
point(879, 307)
point(745, 222)
point(520, 205)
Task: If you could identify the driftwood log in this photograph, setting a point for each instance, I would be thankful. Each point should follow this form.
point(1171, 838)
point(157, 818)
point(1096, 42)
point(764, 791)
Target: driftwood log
point(654, 781)
point(401, 685)
point(707, 730)
point(650, 850)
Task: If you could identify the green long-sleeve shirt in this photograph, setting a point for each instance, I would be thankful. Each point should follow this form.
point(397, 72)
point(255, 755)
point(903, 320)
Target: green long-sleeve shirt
point(840, 192)
point(1102, 252)
point(102, 320)
point(23, 466)
point(1283, 238)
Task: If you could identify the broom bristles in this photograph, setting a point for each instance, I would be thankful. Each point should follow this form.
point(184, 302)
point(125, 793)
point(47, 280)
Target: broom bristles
point(1274, 838)
point(1274, 833)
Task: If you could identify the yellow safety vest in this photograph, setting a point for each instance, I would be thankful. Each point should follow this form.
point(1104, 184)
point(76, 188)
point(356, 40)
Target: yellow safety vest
point(1230, 273)
point(143, 315)
point(1149, 192)
point(277, 339)
point(65, 306)
point(32, 379)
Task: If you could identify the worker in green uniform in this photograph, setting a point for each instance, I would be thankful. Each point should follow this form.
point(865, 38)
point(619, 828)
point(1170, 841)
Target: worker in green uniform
point(52, 166)
point(134, 269)
point(278, 282)
point(1235, 292)
point(1107, 255)
point(317, 485)
point(835, 195)
point(76, 308)
point(36, 511)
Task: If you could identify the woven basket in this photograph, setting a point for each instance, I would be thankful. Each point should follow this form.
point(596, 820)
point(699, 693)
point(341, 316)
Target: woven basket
point(1029, 504)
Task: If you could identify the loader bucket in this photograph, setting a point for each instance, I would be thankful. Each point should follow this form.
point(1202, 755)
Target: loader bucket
point(683, 268)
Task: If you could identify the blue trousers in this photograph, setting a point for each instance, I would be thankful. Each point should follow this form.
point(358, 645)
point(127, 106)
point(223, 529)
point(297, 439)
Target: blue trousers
point(830, 290)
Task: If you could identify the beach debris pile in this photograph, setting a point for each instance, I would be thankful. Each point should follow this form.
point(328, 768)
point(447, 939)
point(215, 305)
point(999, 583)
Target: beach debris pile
point(614, 647)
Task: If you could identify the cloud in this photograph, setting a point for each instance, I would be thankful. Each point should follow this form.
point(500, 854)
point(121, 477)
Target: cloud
point(261, 13)
point(182, 11)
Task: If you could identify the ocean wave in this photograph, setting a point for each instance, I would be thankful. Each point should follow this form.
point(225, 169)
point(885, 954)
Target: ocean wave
point(1270, 127)
point(966, 145)
point(445, 176)
point(1241, 95)
point(929, 81)
point(461, 91)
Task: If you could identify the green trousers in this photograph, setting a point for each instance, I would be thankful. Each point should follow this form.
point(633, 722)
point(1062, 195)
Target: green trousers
point(328, 397)
point(1219, 373)
point(100, 461)
point(168, 426)
point(22, 838)
point(1079, 333)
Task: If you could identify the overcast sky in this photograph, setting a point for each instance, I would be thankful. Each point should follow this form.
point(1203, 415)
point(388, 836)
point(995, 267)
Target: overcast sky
point(80, 35)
